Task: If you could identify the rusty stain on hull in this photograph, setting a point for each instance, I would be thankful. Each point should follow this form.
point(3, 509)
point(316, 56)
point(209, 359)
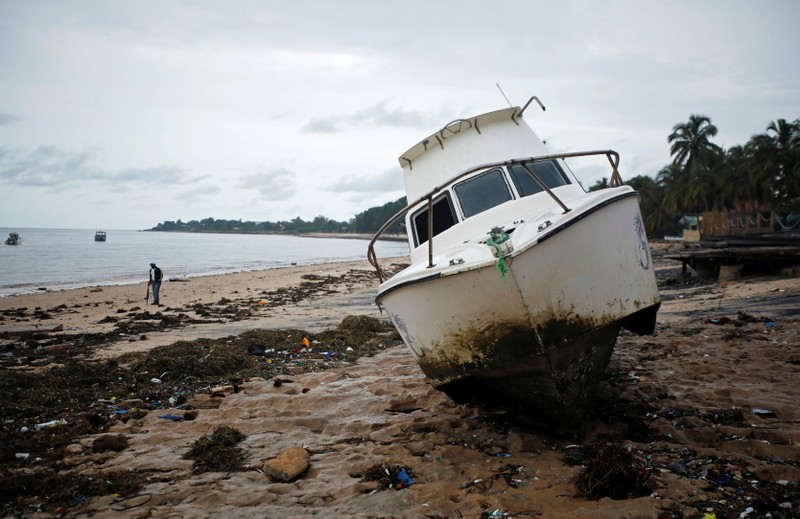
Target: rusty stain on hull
point(551, 368)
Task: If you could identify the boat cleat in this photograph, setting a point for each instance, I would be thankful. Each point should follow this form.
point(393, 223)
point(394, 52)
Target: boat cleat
point(544, 225)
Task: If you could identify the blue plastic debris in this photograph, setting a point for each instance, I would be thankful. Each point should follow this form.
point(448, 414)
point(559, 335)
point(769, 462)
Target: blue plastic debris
point(403, 479)
point(172, 417)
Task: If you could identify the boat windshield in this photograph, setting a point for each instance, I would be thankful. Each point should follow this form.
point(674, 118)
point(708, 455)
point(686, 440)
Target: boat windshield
point(548, 172)
point(483, 192)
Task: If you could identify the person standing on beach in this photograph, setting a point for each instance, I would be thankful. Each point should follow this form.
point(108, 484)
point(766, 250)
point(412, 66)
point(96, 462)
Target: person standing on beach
point(155, 281)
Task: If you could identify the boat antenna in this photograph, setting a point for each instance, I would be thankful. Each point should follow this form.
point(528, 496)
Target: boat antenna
point(504, 95)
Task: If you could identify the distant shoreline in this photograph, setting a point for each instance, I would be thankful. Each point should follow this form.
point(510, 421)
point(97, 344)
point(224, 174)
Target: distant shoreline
point(350, 235)
point(340, 235)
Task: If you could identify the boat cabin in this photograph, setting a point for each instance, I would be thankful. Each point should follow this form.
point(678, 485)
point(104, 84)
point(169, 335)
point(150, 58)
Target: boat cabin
point(464, 192)
point(486, 176)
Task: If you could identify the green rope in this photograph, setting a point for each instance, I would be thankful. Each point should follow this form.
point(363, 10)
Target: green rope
point(496, 237)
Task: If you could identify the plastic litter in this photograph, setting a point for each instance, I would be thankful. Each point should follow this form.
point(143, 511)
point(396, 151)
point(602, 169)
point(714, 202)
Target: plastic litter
point(470, 483)
point(724, 479)
point(51, 423)
point(403, 480)
point(389, 476)
point(174, 418)
point(763, 413)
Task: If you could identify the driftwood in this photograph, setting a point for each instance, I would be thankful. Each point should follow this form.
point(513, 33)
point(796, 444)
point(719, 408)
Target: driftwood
point(29, 330)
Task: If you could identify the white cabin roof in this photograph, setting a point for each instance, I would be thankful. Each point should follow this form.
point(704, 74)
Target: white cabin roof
point(465, 143)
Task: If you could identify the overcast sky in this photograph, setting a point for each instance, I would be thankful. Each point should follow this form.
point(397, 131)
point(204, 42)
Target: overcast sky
point(124, 114)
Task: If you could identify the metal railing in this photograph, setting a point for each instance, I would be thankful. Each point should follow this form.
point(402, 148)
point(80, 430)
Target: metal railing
point(616, 181)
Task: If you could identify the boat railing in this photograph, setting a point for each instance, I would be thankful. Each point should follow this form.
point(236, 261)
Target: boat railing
point(616, 181)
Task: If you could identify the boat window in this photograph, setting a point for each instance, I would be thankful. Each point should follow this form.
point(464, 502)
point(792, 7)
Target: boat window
point(549, 172)
point(443, 219)
point(482, 192)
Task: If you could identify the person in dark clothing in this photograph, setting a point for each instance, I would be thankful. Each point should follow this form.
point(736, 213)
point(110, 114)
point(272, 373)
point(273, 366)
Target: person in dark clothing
point(155, 281)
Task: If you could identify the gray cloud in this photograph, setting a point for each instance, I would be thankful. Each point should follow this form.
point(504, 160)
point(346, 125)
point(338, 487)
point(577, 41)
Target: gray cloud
point(8, 118)
point(321, 125)
point(199, 192)
point(49, 166)
point(390, 180)
point(378, 114)
point(272, 184)
point(46, 166)
point(151, 175)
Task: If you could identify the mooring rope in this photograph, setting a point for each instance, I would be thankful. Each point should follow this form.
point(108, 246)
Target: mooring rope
point(496, 237)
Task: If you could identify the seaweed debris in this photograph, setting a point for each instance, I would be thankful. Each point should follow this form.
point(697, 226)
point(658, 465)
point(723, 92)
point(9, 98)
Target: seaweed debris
point(218, 452)
point(612, 470)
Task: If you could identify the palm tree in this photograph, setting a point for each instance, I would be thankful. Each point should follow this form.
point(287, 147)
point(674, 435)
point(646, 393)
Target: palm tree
point(777, 154)
point(679, 195)
point(719, 184)
point(656, 220)
point(742, 191)
point(694, 153)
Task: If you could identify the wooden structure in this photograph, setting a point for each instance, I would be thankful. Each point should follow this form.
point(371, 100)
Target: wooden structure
point(731, 243)
point(736, 223)
point(718, 258)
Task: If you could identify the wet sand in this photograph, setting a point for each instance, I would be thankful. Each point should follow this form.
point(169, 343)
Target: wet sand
point(700, 418)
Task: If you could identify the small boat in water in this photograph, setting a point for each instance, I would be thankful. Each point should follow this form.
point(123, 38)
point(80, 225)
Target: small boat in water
point(100, 236)
point(520, 280)
point(13, 239)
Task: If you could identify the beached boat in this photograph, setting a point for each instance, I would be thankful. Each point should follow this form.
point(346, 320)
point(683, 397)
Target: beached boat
point(13, 239)
point(100, 236)
point(520, 295)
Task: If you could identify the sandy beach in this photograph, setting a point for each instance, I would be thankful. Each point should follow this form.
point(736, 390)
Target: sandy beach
point(285, 393)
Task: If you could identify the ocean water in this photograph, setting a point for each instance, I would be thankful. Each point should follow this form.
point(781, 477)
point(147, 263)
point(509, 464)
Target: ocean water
point(70, 258)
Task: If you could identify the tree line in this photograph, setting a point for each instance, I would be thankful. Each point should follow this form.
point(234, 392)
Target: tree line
point(368, 222)
point(762, 175)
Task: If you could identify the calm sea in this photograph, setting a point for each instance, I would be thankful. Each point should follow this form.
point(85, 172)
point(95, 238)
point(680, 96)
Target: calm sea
point(70, 258)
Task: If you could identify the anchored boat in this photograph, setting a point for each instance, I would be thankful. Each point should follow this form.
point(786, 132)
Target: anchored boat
point(13, 239)
point(520, 280)
point(100, 236)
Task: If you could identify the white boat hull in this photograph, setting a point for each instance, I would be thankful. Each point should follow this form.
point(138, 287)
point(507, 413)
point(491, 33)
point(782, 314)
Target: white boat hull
point(542, 337)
